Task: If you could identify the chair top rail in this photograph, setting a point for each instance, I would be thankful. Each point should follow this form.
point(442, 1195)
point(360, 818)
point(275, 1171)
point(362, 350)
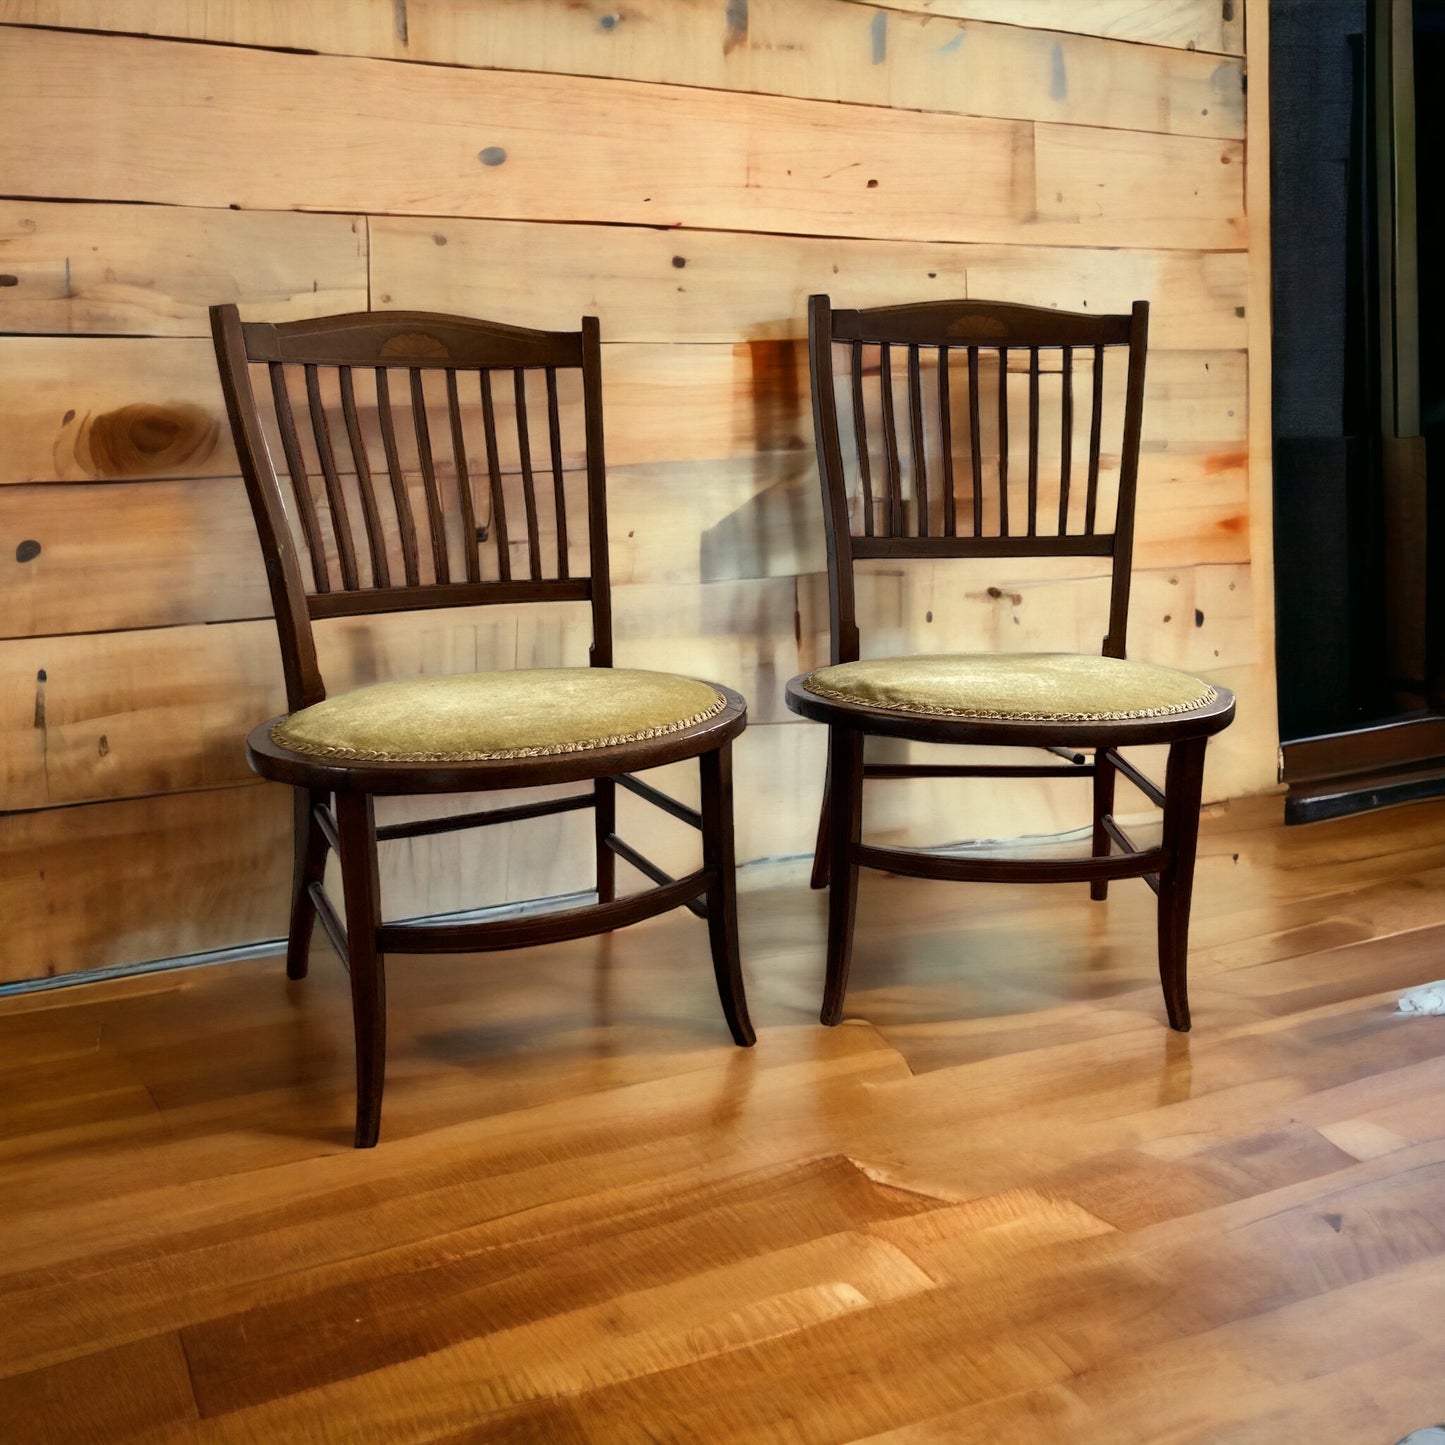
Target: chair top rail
point(979, 323)
point(409, 339)
point(431, 595)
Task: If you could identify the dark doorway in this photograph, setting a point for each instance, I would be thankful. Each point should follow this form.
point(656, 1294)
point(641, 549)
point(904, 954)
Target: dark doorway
point(1361, 682)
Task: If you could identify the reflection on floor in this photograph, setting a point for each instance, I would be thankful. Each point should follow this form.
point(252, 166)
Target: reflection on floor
point(1002, 1203)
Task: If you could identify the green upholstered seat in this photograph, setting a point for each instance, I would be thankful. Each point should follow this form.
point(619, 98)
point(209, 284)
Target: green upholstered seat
point(1014, 687)
point(482, 716)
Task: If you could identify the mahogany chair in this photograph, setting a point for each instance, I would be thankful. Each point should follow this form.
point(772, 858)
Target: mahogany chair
point(936, 461)
point(373, 517)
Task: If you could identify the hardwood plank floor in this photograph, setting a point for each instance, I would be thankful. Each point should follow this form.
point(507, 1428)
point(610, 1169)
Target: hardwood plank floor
point(1001, 1203)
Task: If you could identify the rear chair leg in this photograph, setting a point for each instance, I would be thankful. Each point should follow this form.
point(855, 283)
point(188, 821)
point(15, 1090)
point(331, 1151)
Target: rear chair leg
point(845, 828)
point(356, 828)
point(722, 896)
point(1183, 790)
point(825, 813)
point(310, 847)
point(1104, 775)
point(604, 821)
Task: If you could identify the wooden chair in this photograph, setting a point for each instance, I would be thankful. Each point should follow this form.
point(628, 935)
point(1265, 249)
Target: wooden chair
point(928, 466)
point(510, 509)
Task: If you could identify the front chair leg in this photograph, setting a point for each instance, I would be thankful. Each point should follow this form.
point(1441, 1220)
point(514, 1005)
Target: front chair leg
point(361, 886)
point(1183, 791)
point(309, 866)
point(845, 748)
point(722, 896)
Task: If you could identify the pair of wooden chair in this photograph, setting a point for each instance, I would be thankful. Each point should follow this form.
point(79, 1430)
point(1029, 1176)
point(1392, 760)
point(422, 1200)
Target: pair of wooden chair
point(432, 461)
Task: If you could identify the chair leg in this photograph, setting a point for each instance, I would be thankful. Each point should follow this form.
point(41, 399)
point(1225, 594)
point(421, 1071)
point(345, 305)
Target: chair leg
point(1104, 775)
point(356, 830)
point(825, 813)
point(845, 829)
point(604, 821)
point(309, 867)
point(722, 897)
point(1183, 789)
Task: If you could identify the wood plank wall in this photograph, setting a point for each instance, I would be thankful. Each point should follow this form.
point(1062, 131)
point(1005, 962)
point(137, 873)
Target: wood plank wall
point(689, 170)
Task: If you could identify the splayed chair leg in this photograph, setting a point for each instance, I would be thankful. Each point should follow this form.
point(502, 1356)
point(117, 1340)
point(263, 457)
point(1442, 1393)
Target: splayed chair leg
point(722, 898)
point(819, 877)
point(309, 867)
point(1183, 789)
point(356, 828)
point(845, 828)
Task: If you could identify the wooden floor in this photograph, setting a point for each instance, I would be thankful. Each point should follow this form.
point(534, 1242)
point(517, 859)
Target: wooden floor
point(1001, 1204)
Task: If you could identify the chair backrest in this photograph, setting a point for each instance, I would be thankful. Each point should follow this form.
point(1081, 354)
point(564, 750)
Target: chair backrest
point(400, 460)
point(976, 429)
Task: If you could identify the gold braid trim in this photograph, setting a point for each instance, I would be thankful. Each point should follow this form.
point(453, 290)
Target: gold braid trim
point(987, 715)
point(376, 755)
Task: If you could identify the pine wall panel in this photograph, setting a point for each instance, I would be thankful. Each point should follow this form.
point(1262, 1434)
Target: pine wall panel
point(909, 54)
point(687, 170)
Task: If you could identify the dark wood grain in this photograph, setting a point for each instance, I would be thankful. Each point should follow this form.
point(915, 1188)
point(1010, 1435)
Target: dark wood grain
point(978, 323)
point(1006, 546)
point(409, 338)
point(1114, 642)
point(559, 494)
point(436, 515)
point(916, 455)
point(462, 472)
point(418, 343)
point(892, 467)
point(308, 868)
point(335, 498)
point(1100, 842)
point(361, 464)
point(945, 422)
point(1066, 438)
point(300, 481)
point(365, 965)
point(1003, 444)
point(494, 478)
point(599, 553)
point(975, 443)
point(844, 808)
point(283, 568)
point(540, 928)
point(1033, 523)
point(1006, 330)
point(860, 424)
point(401, 498)
point(1096, 426)
point(446, 594)
point(720, 864)
point(529, 486)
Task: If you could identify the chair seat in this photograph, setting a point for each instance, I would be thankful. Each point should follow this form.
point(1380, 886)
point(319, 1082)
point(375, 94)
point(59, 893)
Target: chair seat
point(485, 716)
point(1013, 687)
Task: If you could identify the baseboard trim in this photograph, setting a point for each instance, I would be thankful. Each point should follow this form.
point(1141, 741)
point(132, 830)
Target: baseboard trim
point(271, 947)
point(1343, 797)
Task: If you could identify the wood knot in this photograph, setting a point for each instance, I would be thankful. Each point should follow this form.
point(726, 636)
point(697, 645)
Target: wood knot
point(144, 439)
